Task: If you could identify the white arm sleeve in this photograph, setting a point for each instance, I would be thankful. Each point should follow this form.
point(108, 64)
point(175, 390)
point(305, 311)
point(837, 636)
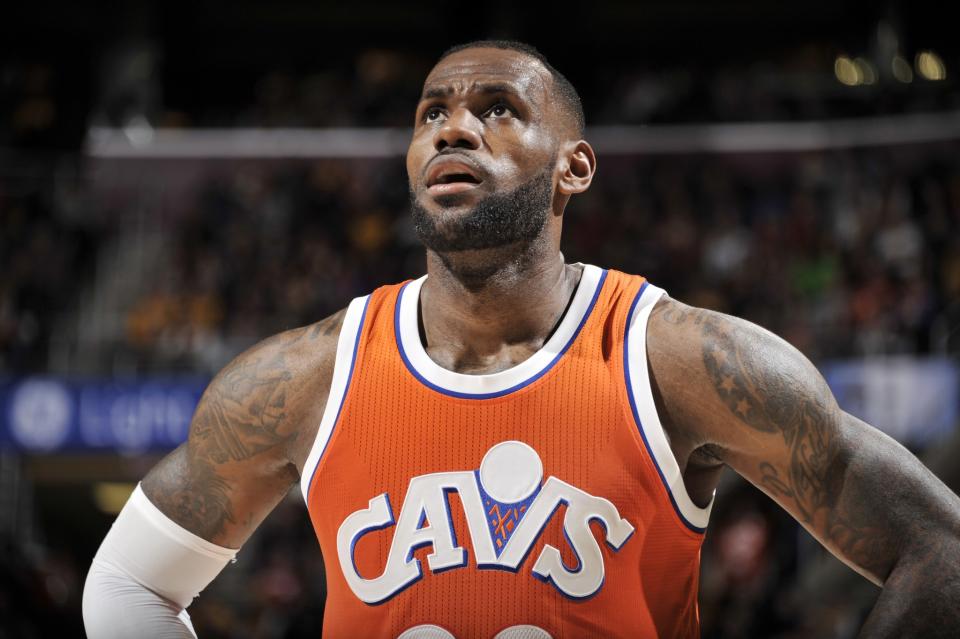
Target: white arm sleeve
point(147, 571)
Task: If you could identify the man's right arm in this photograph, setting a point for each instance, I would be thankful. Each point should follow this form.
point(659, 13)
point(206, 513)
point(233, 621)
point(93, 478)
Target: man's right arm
point(248, 442)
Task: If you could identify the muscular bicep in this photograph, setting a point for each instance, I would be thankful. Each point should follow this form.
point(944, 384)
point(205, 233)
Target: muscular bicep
point(248, 437)
point(768, 414)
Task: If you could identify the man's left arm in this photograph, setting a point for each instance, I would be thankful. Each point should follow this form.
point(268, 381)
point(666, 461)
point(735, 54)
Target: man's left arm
point(760, 407)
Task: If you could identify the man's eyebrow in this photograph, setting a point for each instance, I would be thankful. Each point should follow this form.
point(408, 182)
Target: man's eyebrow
point(436, 92)
point(498, 87)
point(443, 91)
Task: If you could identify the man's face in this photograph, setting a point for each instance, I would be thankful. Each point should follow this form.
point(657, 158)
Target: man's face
point(481, 160)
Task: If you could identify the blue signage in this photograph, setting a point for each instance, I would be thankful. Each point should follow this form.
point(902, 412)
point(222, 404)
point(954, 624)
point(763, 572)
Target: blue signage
point(915, 400)
point(47, 414)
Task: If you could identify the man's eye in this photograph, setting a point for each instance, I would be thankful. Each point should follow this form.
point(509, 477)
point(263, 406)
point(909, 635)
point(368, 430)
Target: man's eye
point(432, 115)
point(499, 110)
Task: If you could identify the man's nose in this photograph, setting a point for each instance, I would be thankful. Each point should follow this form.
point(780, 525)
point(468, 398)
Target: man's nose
point(461, 129)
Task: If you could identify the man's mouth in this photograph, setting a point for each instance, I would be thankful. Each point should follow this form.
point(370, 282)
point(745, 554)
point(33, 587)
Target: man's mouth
point(451, 176)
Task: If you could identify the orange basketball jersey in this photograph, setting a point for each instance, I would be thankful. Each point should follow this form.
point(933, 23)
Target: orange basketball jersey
point(539, 501)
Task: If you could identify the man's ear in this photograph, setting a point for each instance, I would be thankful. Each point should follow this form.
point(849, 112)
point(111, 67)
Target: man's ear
point(578, 164)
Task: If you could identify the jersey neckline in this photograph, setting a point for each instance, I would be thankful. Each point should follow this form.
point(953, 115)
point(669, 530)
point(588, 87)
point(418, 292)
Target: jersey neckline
point(434, 376)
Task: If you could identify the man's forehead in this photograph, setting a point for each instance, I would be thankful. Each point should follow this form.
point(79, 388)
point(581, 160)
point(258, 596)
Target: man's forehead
point(472, 66)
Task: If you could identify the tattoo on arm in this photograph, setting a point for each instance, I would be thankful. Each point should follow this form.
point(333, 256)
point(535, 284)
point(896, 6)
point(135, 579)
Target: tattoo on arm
point(327, 326)
point(198, 500)
point(761, 390)
point(865, 497)
point(770, 401)
point(242, 414)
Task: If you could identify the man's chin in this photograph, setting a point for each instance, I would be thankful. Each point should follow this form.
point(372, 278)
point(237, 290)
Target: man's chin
point(478, 219)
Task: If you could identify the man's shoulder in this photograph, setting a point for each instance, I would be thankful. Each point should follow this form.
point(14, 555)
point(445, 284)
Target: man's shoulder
point(699, 332)
point(684, 340)
point(282, 382)
point(706, 363)
point(304, 352)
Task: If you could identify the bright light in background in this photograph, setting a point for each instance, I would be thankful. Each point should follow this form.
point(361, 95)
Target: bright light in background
point(901, 70)
point(859, 71)
point(846, 71)
point(930, 66)
point(854, 72)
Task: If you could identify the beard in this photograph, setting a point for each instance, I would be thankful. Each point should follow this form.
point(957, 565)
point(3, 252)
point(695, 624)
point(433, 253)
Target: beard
point(498, 220)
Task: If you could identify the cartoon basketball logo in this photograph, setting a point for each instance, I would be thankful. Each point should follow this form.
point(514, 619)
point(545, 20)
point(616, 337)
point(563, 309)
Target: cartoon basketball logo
point(509, 480)
point(506, 504)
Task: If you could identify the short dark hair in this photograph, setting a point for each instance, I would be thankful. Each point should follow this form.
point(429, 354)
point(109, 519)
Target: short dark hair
point(568, 95)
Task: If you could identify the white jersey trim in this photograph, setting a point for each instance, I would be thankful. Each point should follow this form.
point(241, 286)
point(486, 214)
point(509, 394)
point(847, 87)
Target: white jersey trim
point(645, 411)
point(495, 384)
point(347, 346)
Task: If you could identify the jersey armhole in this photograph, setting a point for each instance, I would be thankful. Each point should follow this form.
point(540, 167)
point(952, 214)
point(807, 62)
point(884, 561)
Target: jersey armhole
point(347, 346)
point(645, 415)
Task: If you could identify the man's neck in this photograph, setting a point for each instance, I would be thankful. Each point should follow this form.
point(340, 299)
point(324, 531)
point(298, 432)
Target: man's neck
point(474, 326)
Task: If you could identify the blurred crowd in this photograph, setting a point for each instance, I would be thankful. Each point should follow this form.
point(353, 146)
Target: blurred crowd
point(843, 253)
point(48, 250)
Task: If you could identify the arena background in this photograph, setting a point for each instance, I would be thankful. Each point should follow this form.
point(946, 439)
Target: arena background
point(179, 180)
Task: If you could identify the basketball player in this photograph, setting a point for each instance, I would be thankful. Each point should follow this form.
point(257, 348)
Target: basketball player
point(514, 446)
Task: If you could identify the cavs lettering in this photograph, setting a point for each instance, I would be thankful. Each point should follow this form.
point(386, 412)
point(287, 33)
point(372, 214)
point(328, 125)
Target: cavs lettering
point(506, 505)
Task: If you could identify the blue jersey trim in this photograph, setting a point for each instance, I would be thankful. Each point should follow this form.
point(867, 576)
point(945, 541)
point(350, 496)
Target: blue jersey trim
point(507, 391)
point(636, 414)
point(346, 389)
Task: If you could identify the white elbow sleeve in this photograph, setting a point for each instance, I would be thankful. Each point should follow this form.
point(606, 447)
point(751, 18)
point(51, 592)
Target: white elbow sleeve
point(147, 570)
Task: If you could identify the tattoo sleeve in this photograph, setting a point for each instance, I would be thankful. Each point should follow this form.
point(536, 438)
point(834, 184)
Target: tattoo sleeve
point(237, 462)
point(773, 419)
point(770, 389)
